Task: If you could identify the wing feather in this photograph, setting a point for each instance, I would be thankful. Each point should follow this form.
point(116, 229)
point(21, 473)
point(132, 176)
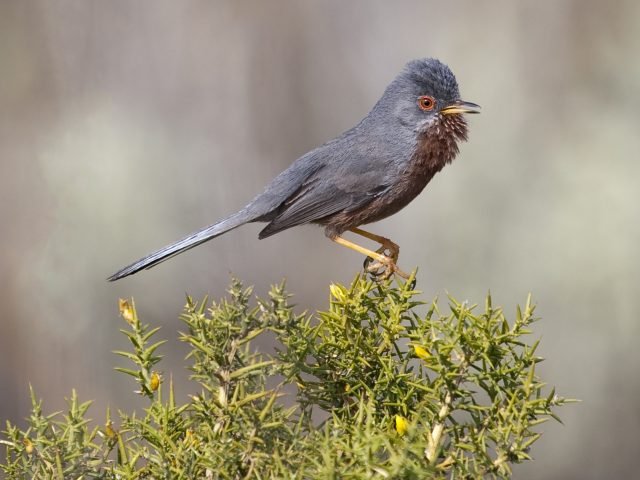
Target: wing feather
point(313, 205)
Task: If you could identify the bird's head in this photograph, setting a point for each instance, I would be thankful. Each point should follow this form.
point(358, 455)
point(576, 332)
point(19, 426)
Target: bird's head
point(425, 94)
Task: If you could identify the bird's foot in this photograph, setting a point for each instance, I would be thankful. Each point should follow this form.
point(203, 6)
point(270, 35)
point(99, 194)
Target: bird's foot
point(392, 248)
point(384, 268)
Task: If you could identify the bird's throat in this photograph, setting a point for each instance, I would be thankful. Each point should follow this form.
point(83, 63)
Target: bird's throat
point(437, 145)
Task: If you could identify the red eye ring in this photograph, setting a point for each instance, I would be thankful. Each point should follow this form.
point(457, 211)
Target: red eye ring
point(426, 103)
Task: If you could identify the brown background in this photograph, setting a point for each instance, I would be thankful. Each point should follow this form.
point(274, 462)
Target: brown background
point(124, 125)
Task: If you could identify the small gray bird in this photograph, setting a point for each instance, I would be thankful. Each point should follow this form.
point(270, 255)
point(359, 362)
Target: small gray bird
point(366, 174)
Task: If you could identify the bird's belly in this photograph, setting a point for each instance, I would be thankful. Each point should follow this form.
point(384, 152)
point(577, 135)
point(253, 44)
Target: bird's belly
point(394, 200)
point(390, 202)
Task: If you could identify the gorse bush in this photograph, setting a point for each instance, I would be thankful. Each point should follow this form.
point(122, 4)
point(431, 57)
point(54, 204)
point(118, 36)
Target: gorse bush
point(378, 386)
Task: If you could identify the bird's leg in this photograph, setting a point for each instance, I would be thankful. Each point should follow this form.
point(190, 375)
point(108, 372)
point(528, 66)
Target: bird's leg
point(386, 244)
point(382, 260)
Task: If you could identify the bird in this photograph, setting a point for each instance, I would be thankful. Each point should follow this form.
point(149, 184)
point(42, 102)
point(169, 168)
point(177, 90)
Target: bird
point(367, 173)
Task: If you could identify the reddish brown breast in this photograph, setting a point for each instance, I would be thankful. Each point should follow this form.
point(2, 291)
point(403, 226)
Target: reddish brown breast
point(438, 144)
point(435, 147)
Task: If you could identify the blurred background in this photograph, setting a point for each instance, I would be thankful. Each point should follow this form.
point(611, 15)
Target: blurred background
point(125, 125)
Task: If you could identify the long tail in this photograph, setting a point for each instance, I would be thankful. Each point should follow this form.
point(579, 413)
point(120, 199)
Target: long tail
point(196, 238)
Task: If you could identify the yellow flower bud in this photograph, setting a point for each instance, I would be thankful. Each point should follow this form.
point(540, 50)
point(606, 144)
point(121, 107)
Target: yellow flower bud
point(28, 446)
point(402, 425)
point(421, 352)
point(155, 381)
point(109, 430)
point(126, 310)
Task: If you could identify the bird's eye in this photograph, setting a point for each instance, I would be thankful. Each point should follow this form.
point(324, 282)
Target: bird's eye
point(426, 103)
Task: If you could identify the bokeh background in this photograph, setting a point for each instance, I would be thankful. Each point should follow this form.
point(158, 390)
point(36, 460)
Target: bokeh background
point(125, 125)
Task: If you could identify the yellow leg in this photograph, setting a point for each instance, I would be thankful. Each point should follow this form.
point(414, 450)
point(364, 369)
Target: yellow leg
point(384, 261)
point(394, 249)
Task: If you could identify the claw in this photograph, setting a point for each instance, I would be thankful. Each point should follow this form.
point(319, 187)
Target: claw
point(382, 270)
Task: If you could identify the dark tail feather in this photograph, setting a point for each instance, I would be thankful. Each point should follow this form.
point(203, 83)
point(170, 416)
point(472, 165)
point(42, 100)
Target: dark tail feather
point(185, 244)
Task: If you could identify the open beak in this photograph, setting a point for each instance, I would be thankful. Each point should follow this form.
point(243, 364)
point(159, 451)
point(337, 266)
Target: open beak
point(460, 106)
